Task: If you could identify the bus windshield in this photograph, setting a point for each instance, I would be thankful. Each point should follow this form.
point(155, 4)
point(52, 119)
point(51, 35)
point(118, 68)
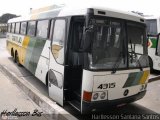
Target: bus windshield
point(137, 45)
point(109, 49)
point(108, 44)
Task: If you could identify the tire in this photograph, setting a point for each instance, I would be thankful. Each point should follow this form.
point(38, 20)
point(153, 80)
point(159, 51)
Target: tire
point(13, 55)
point(151, 65)
point(12, 52)
point(17, 59)
point(47, 82)
point(14, 58)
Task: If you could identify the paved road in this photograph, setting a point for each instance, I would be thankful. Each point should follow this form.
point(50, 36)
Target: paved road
point(14, 99)
point(148, 105)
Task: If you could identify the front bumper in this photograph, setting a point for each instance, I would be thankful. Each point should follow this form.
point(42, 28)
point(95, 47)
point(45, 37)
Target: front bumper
point(88, 107)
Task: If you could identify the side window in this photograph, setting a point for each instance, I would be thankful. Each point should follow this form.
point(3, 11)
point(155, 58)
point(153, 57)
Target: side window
point(42, 28)
point(58, 40)
point(31, 28)
point(9, 27)
point(23, 28)
point(13, 27)
point(17, 27)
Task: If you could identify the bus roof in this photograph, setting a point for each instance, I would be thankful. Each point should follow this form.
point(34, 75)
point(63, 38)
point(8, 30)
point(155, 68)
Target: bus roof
point(151, 17)
point(62, 11)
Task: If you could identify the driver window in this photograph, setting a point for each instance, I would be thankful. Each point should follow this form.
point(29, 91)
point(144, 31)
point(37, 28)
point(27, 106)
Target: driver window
point(58, 41)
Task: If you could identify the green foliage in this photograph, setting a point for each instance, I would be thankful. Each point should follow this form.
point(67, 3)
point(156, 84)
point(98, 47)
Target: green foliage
point(5, 17)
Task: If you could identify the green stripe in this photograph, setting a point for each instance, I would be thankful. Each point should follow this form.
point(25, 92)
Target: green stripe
point(138, 77)
point(133, 79)
point(154, 42)
point(29, 58)
point(34, 51)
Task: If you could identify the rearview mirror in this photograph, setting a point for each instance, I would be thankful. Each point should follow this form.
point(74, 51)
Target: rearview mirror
point(87, 40)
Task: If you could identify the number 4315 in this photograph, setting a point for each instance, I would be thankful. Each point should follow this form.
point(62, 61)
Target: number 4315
point(107, 85)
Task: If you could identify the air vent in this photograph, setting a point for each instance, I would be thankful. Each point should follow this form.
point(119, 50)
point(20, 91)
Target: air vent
point(101, 12)
point(142, 20)
point(90, 11)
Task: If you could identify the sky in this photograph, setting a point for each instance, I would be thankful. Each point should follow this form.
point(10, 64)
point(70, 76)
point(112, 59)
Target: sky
point(22, 7)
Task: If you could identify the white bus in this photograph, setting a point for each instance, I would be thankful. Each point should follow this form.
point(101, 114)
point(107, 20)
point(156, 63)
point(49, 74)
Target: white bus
point(153, 30)
point(91, 58)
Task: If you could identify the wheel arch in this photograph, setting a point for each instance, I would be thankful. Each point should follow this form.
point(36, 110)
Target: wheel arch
point(150, 63)
point(47, 79)
point(12, 52)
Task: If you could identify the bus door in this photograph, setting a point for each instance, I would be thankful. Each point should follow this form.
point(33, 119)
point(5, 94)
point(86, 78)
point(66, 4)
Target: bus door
point(56, 62)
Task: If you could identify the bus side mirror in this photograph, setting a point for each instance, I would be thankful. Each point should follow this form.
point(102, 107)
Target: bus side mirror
point(87, 40)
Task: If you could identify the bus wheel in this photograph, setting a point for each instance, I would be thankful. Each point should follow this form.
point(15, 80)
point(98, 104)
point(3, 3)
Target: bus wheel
point(17, 58)
point(151, 64)
point(14, 57)
point(47, 82)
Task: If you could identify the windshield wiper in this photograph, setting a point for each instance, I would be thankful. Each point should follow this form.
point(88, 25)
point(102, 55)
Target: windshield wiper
point(140, 66)
point(118, 61)
point(133, 52)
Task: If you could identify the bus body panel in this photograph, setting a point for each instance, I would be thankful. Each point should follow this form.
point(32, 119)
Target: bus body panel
point(156, 62)
point(31, 54)
point(155, 59)
point(152, 42)
point(106, 105)
point(17, 43)
point(36, 55)
point(43, 63)
point(55, 80)
point(115, 86)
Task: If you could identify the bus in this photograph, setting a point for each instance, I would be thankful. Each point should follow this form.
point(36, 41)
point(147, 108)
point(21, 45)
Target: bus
point(90, 58)
point(153, 30)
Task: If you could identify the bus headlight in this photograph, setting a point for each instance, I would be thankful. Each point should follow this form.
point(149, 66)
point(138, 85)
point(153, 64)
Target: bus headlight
point(95, 96)
point(103, 95)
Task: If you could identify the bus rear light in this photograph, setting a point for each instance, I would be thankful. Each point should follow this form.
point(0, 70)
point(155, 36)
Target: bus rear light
point(95, 96)
point(87, 96)
point(103, 95)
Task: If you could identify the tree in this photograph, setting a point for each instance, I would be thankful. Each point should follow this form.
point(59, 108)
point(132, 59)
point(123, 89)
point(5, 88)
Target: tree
point(5, 17)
